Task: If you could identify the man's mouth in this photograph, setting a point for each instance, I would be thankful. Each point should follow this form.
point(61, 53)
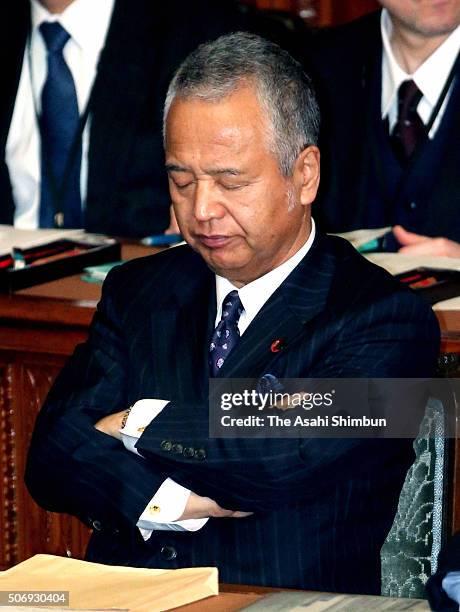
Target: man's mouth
point(213, 241)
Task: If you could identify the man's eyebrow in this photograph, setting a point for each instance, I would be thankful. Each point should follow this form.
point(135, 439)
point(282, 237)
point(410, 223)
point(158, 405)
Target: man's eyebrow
point(217, 171)
point(175, 168)
point(210, 171)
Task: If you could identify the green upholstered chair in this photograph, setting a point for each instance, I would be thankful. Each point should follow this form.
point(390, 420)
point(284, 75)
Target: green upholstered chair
point(409, 554)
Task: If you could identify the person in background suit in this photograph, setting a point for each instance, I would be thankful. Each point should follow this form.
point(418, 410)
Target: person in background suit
point(107, 80)
point(123, 439)
point(389, 87)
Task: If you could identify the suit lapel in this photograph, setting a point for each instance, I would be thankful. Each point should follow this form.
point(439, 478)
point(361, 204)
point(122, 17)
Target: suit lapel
point(181, 326)
point(297, 301)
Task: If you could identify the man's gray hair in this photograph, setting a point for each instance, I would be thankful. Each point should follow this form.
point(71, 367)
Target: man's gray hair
point(216, 69)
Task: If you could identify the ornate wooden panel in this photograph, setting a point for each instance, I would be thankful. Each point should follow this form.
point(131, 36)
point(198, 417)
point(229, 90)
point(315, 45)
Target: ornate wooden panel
point(25, 379)
point(8, 472)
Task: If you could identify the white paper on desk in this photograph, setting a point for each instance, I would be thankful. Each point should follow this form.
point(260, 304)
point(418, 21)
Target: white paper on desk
point(96, 586)
point(12, 237)
point(362, 236)
point(396, 263)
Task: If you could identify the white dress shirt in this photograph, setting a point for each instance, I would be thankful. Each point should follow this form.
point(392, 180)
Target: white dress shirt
point(170, 500)
point(430, 77)
point(87, 22)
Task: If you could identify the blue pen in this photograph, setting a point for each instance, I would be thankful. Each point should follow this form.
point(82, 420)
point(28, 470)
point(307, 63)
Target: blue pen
point(162, 239)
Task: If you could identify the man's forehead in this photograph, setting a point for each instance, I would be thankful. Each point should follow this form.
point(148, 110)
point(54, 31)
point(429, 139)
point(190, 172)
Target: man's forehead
point(236, 105)
point(231, 124)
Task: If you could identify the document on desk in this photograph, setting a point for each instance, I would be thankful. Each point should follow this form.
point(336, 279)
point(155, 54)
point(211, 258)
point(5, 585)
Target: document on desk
point(93, 586)
point(11, 237)
point(396, 263)
point(332, 602)
point(365, 239)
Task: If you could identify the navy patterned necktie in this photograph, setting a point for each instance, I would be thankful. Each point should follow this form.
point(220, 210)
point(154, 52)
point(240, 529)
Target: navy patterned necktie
point(60, 123)
point(409, 130)
point(226, 334)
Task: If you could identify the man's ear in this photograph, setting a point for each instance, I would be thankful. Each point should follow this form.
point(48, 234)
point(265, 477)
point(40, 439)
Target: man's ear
point(307, 171)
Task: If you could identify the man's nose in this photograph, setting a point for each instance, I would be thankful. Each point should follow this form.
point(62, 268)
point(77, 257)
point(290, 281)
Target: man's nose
point(207, 205)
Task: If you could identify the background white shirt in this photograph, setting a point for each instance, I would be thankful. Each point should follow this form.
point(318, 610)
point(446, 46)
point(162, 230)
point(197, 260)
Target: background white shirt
point(430, 77)
point(87, 22)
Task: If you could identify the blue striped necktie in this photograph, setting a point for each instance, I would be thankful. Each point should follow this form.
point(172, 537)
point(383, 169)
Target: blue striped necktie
point(60, 123)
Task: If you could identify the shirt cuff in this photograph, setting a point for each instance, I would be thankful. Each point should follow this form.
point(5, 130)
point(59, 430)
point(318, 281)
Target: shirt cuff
point(170, 500)
point(142, 414)
point(164, 509)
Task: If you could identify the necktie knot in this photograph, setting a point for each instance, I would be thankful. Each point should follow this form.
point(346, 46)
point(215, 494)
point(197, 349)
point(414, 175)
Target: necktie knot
point(409, 95)
point(232, 307)
point(54, 35)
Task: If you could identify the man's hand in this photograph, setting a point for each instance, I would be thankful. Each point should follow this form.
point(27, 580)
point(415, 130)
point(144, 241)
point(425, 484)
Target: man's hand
point(416, 244)
point(197, 507)
point(111, 424)
point(203, 507)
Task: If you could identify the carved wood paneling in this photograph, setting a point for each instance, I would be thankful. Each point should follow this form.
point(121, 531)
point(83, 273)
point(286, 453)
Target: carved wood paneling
point(44, 532)
point(9, 553)
point(25, 528)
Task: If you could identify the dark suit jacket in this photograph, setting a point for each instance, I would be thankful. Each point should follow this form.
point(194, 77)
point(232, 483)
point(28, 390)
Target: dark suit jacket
point(345, 63)
point(322, 508)
point(127, 191)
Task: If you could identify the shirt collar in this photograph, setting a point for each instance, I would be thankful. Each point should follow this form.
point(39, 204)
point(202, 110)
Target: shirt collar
point(430, 77)
point(254, 295)
point(87, 21)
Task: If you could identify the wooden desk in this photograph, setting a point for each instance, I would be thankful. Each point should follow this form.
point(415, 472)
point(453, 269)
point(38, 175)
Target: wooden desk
point(234, 597)
point(39, 329)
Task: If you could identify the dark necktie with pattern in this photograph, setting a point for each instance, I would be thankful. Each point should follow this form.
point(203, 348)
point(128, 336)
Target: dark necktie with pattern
point(60, 122)
point(409, 131)
point(226, 334)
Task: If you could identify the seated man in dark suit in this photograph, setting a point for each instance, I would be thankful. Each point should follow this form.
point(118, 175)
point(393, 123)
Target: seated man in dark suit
point(123, 440)
point(389, 87)
point(80, 115)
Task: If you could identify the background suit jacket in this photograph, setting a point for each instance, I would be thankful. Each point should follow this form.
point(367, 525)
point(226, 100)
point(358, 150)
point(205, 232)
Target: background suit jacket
point(127, 191)
point(346, 65)
point(322, 508)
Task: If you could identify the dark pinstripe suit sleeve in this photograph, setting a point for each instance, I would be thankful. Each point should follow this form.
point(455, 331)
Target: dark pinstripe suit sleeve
point(74, 468)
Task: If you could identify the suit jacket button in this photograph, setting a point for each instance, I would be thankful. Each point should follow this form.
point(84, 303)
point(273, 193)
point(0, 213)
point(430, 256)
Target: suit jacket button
point(200, 454)
point(168, 553)
point(188, 451)
point(97, 525)
point(166, 445)
point(177, 448)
